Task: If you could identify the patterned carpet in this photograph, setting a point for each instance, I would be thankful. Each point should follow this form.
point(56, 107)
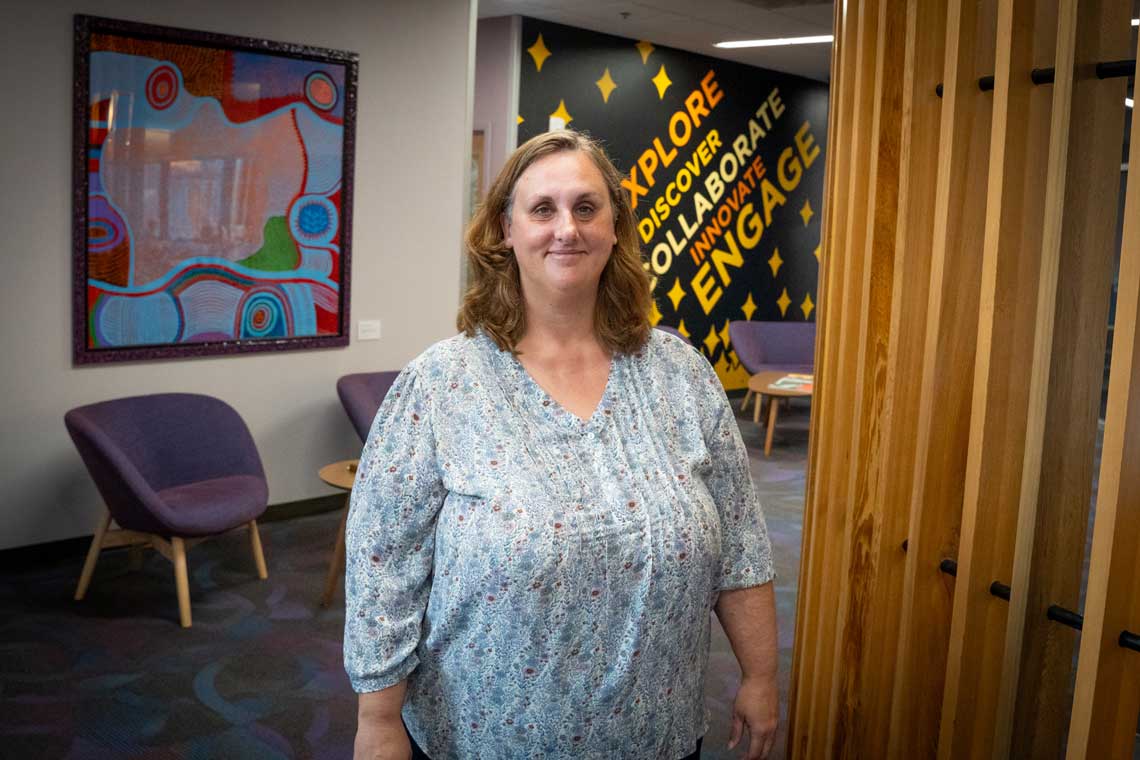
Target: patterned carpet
point(259, 675)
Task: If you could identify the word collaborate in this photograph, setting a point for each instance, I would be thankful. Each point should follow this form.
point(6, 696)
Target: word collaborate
point(705, 179)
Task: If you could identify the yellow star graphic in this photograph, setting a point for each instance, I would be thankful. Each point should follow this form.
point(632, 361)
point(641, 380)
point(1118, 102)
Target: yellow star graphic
point(711, 340)
point(645, 48)
point(520, 119)
point(607, 85)
point(775, 261)
point(562, 113)
point(539, 53)
point(724, 334)
point(783, 301)
point(682, 329)
point(749, 307)
point(721, 366)
point(816, 251)
point(806, 213)
point(676, 293)
point(807, 306)
point(654, 314)
point(662, 81)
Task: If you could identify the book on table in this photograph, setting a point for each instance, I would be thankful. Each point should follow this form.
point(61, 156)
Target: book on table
point(793, 382)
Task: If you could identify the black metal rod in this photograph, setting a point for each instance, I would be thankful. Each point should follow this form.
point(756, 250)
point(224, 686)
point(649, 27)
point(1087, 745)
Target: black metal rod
point(948, 566)
point(1059, 614)
point(1000, 590)
point(985, 84)
point(1111, 69)
point(1130, 640)
point(1046, 75)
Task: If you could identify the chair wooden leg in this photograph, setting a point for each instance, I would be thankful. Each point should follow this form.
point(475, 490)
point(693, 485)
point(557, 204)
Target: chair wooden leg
point(336, 563)
point(92, 555)
point(744, 403)
point(181, 580)
point(258, 555)
point(773, 407)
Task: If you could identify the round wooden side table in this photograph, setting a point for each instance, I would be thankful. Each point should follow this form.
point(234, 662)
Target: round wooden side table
point(341, 475)
point(760, 384)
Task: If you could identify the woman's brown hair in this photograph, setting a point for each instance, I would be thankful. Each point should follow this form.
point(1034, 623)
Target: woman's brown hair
point(494, 299)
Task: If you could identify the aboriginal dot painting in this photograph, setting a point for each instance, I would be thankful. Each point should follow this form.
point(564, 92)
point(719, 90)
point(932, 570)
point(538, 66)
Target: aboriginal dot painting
point(215, 194)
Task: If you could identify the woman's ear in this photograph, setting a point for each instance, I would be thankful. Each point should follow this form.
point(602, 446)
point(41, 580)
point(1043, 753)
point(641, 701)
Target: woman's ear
point(505, 226)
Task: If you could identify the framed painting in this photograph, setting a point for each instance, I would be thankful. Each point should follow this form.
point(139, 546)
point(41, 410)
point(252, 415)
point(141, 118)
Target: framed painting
point(212, 193)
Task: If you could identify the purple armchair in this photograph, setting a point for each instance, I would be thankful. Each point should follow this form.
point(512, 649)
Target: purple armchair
point(361, 395)
point(172, 468)
point(773, 347)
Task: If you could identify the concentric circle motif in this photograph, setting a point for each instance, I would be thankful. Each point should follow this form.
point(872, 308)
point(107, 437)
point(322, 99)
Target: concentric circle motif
point(105, 227)
point(263, 315)
point(313, 220)
point(321, 91)
point(162, 87)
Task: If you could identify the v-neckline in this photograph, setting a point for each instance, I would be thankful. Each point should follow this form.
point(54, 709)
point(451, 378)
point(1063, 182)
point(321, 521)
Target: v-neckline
point(553, 408)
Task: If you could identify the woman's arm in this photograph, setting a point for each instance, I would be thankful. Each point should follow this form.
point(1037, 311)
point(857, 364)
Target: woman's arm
point(380, 733)
point(389, 541)
point(748, 616)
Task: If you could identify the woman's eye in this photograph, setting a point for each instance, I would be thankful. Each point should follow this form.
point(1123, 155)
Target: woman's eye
point(543, 211)
point(585, 210)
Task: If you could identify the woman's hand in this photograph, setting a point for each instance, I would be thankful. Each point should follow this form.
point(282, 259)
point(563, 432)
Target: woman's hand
point(757, 708)
point(382, 741)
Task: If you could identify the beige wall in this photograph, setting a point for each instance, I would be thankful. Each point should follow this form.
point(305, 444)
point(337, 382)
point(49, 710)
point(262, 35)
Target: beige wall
point(496, 104)
point(413, 132)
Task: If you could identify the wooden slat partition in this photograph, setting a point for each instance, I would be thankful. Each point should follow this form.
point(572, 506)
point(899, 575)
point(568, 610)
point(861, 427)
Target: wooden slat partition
point(1006, 332)
point(943, 423)
point(884, 501)
point(966, 258)
point(1107, 700)
point(1080, 224)
point(838, 153)
point(845, 271)
point(859, 623)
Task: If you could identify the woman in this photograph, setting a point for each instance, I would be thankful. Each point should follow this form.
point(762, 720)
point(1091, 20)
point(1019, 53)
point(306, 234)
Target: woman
point(550, 504)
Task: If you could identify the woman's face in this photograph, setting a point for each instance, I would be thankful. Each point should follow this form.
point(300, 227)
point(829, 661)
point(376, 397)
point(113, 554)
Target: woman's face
point(561, 226)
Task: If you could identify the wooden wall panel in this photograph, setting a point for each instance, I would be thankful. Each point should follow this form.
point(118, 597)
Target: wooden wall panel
point(859, 622)
point(946, 380)
point(920, 122)
point(1006, 331)
point(831, 492)
point(1080, 241)
point(964, 273)
point(810, 606)
point(1107, 700)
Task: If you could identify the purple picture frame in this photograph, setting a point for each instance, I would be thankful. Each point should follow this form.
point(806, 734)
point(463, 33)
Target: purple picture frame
point(212, 193)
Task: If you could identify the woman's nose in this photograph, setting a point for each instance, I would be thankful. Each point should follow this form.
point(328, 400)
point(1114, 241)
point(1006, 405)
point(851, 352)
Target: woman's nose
point(567, 228)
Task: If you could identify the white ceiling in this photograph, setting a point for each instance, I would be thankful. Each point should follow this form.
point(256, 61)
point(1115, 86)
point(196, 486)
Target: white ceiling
point(694, 25)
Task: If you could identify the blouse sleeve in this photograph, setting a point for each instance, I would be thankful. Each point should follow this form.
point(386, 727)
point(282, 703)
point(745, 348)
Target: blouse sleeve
point(390, 538)
point(746, 551)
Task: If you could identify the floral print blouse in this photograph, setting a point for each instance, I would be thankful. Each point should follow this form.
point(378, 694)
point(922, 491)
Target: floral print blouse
point(545, 582)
